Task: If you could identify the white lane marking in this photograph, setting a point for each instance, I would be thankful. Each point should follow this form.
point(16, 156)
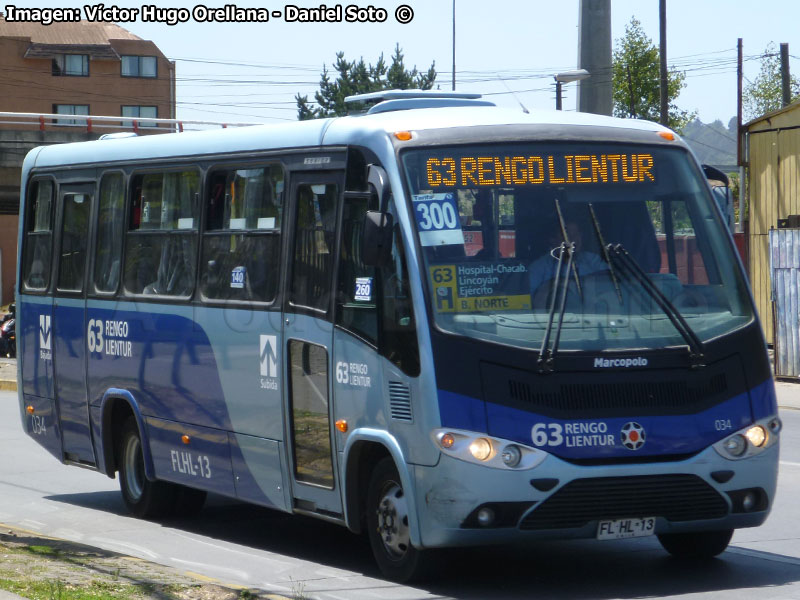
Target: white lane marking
point(790, 464)
point(30, 524)
point(123, 547)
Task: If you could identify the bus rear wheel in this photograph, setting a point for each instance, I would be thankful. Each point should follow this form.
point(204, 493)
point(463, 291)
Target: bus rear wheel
point(697, 545)
point(387, 525)
point(144, 498)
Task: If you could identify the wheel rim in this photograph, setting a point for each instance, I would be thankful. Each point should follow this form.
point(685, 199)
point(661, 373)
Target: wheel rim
point(134, 468)
point(393, 521)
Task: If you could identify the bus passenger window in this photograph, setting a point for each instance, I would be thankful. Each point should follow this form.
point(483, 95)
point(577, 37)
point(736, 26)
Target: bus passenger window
point(356, 300)
point(39, 236)
point(111, 219)
point(161, 243)
point(74, 239)
point(241, 243)
point(315, 229)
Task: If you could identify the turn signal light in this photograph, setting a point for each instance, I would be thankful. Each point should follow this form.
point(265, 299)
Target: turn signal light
point(341, 425)
point(667, 135)
point(403, 136)
point(29, 409)
point(186, 439)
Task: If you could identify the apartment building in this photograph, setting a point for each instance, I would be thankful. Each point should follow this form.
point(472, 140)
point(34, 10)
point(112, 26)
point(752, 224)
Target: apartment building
point(77, 68)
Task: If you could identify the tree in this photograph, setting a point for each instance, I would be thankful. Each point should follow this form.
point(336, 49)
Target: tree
point(636, 80)
point(359, 78)
point(763, 94)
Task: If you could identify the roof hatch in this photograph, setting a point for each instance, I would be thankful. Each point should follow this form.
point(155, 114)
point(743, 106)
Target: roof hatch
point(390, 100)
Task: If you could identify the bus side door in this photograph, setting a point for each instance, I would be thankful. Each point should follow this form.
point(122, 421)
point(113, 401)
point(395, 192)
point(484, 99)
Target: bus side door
point(308, 336)
point(69, 320)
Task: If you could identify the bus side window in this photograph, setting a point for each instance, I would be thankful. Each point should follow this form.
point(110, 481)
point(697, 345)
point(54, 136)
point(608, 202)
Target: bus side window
point(111, 220)
point(357, 294)
point(312, 261)
point(74, 242)
point(161, 243)
point(399, 329)
point(241, 243)
point(39, 236)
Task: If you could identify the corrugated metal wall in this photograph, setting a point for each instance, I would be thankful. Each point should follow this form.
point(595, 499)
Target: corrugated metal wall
point(774, 194)
point(785, 268)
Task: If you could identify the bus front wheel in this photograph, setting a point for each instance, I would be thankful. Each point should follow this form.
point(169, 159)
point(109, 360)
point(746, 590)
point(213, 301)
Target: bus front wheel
point(696, 544)
point(387, 525)
point(144, 498)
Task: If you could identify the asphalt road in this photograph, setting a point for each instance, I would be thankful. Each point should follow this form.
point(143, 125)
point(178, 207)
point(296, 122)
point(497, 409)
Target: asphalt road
point(255, 547)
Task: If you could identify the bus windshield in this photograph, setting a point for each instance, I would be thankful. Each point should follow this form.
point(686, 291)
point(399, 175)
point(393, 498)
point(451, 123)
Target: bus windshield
point(488, 222)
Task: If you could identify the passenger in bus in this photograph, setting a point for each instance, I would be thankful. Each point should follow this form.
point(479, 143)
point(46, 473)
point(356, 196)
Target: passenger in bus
point(482, 211)
point(543, 270)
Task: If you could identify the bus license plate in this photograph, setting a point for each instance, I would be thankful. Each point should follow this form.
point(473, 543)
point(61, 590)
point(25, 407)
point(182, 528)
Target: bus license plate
point(618, 529)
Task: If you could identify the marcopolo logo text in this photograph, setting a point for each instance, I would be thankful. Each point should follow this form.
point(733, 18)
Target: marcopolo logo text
point(605, 363)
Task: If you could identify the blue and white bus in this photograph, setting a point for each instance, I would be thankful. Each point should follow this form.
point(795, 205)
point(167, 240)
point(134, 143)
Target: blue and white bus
point(439, 322)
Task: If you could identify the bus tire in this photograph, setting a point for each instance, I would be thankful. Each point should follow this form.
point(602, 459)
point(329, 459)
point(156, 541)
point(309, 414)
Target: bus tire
point(144, 498)
point(387, 525)
point(696, 545)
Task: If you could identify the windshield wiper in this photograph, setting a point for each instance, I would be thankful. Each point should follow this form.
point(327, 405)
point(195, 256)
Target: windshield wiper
point(629, 264)
point(602, 243)
point(558, 292)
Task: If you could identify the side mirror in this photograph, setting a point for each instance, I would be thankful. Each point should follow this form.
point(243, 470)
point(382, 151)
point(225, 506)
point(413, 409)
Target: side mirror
point(376, 238)
point(721, 190)
point(376, 177)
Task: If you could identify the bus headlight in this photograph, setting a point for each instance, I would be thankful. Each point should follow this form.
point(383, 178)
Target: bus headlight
point(757, 436)
point(735, 445)
point(485, 450)
point(511, 455)
point(751, 440)
point(481, 449)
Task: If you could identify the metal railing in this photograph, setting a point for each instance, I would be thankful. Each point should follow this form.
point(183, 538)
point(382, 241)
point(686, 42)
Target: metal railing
point(92, 123)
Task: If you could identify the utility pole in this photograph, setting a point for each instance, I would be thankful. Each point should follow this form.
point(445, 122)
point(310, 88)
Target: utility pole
point(739, 104)
point(662, 21)
point(595, 95)
point(786, 92)
point(454, 45)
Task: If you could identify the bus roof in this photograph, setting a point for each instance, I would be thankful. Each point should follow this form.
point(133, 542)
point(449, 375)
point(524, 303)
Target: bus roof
point(322, 132)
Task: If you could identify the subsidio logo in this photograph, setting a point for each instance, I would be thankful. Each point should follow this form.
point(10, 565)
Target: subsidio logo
point(44, 337)
point(605, 363)
point(632, 436)
point(268, 354)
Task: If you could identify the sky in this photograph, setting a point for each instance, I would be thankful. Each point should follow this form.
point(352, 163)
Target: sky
point(251, 72)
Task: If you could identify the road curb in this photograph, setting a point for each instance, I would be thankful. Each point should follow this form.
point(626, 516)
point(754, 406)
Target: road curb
point(7, 385)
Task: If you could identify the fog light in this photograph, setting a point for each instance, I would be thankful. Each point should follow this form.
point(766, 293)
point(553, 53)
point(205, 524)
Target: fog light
point(511, 455)
point(736, 445)
point(749, 501)
point(757, 436)
point(447, 441)
point(485, 517)
point(481, 449)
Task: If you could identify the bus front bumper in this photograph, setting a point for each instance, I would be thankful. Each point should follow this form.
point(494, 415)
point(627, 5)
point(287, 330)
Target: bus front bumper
point(461, 503)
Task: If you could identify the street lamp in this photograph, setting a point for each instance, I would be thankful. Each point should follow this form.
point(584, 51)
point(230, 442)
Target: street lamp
point(566, 77)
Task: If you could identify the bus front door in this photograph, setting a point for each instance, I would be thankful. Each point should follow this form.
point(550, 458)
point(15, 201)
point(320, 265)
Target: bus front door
point(308, 337)
point(69, 321)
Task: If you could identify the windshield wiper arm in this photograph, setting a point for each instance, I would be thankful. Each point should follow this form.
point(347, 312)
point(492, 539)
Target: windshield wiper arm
point(558, 290)
point(567, 241)
point(602, 243)
point(627, 261)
